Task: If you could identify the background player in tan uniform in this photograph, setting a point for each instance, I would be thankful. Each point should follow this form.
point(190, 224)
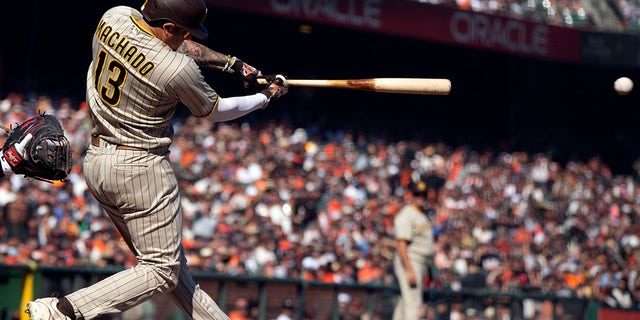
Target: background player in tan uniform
point(138, 75)
point(414, 244)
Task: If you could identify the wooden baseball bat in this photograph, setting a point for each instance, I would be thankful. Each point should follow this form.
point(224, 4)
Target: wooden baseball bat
point(390, 85)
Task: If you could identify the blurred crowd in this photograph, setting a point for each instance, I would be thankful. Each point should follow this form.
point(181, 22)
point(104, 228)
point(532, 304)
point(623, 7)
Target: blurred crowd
point(629, 12)
point(279, 201)
point(570, 13)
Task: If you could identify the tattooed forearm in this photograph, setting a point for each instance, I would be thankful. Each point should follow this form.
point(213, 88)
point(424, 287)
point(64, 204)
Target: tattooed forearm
point(203, 56)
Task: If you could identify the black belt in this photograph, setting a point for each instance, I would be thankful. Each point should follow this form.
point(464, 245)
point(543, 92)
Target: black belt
point(95, 140)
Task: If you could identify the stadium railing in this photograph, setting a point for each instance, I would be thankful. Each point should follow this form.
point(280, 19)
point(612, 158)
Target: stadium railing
point(22, 283)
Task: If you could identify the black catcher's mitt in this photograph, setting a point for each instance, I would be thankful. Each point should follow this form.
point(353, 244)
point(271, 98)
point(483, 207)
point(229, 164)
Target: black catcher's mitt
point(47, 153)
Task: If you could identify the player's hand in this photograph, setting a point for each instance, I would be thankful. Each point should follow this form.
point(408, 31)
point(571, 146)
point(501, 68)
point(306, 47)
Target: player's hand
point(14, 155)
point(411, 277)
point(248, 73)
point(277, 87)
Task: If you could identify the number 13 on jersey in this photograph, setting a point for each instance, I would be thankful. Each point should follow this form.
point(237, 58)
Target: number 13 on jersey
point(110, 89)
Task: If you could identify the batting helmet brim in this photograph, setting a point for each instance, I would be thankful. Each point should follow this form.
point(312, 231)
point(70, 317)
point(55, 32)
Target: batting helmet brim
point(200, 32)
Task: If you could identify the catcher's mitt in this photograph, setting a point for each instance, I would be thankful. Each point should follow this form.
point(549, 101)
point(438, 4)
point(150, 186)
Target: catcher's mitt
point(47, 153)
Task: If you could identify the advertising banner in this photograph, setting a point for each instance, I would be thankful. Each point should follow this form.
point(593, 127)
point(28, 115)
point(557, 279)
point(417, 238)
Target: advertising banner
point(614, 49)
point(423, 21)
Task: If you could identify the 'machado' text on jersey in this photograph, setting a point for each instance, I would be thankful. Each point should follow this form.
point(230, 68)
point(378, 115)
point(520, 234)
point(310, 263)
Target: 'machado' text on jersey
point(121, 45)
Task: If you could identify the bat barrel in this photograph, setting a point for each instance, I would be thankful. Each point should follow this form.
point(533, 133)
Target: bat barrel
point(413, 85)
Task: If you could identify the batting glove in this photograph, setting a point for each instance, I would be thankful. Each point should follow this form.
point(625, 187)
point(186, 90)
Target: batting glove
point(248, 73)
point(277, 87)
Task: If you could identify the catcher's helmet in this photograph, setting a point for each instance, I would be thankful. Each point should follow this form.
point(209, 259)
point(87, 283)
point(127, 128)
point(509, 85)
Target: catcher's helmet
point(187, 14)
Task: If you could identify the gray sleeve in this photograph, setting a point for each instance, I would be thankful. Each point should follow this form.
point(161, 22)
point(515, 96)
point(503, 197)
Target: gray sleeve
point(402, 225)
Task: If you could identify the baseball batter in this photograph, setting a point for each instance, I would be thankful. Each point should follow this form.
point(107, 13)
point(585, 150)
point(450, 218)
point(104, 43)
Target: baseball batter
point(414, 241)
point(134, 83)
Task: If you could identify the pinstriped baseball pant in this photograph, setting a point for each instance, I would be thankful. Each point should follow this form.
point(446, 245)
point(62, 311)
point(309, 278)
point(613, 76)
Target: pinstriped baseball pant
point(410, 300)
point(139, 192)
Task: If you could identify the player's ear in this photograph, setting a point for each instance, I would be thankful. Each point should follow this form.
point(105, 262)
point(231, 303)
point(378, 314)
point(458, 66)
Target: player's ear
point(170, 27)
point(175, 30)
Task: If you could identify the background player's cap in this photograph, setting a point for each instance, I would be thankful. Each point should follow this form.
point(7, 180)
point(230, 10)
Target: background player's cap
point(187, 14)
point(418, 186)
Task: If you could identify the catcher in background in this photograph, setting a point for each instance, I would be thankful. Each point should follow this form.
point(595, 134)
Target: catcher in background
point(37, 148)
point(143, 64)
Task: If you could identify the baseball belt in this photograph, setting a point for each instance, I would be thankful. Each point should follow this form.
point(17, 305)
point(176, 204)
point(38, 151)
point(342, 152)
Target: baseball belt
point(95, 140)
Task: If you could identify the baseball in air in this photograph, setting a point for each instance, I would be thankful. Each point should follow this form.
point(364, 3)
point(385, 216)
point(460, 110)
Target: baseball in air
point(623, 85)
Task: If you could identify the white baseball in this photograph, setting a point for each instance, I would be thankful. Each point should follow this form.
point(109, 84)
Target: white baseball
point(623, 85)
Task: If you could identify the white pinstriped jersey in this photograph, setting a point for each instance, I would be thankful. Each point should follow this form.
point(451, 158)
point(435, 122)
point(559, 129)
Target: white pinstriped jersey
point(136, 81)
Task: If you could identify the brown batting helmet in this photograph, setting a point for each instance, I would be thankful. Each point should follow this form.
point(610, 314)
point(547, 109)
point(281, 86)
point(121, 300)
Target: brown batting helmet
point(187, 14)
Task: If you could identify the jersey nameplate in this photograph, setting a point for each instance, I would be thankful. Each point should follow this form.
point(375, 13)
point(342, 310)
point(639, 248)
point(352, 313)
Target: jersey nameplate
point(122, 46)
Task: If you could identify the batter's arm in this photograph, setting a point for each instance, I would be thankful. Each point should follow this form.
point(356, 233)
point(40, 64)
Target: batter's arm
point(236, 107)
point(204, 56)
point(208, 58)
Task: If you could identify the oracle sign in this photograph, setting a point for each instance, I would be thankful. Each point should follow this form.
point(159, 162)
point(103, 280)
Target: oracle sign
point(491, 32)
point(351, 12)
point(419, 20)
